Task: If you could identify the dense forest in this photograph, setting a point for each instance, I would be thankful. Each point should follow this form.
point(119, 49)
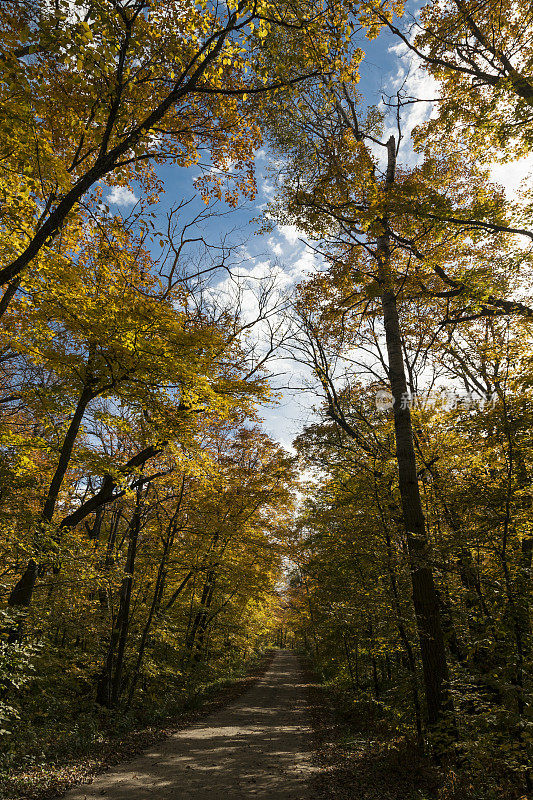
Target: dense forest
point(155, 537)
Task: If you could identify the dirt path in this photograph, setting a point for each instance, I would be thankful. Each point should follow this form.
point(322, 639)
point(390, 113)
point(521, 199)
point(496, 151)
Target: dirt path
point(259, 746)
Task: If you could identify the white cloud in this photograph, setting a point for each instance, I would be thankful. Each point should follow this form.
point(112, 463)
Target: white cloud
point(290, 260)
point(276, 247)
point(121, 196)
point(285, 421)
point(512, 175)
point(290, 233)
point(225, 167)
point(414, 84)
point(267, 188)
point(307, 262)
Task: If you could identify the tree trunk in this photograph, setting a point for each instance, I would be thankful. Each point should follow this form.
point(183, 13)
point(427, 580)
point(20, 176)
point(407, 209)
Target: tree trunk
point(425, 598)
point(375, 678)
point(110, 679)
point(22, 593)
point(349, 662)
point(123, 620)
point(196, 635)
point(156, 601)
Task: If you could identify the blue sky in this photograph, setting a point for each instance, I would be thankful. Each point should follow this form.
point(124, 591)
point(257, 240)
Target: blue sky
point(281, 251)
point(384, 70)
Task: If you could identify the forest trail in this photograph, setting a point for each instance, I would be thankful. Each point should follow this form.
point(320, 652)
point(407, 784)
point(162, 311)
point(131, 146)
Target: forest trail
point(259, 746)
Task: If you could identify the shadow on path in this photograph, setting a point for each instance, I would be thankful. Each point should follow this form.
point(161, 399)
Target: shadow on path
point(260, 746)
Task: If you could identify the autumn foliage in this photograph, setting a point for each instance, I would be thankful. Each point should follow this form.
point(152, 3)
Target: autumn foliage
point(153, 538)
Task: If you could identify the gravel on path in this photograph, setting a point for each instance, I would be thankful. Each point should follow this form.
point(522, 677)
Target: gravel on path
point(260, 746)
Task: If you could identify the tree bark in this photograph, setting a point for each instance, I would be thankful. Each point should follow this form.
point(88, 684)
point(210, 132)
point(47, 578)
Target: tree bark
point(404, 638)
point(123, 621)
point(22, 593)
point(425, 597)
point(349, 662)
point(109, 683)
point(196, 635)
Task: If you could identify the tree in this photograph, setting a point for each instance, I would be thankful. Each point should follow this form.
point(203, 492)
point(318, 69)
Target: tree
point(356, 209)
point(112, 333)
point(138, 83)
point(480, 55)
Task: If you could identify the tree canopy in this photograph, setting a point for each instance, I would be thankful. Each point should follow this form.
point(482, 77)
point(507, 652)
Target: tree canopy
point(154, 537)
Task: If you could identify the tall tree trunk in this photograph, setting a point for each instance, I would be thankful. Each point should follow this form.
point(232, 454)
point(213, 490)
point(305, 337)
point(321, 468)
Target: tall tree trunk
point(154, 609)
point(425, 597)
point(311, 613)
point(197, 632)
point(123, 620)
point(404, 638)
point(375, 678)
point(110, 679)
point(22, 593)
point(349, 661)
